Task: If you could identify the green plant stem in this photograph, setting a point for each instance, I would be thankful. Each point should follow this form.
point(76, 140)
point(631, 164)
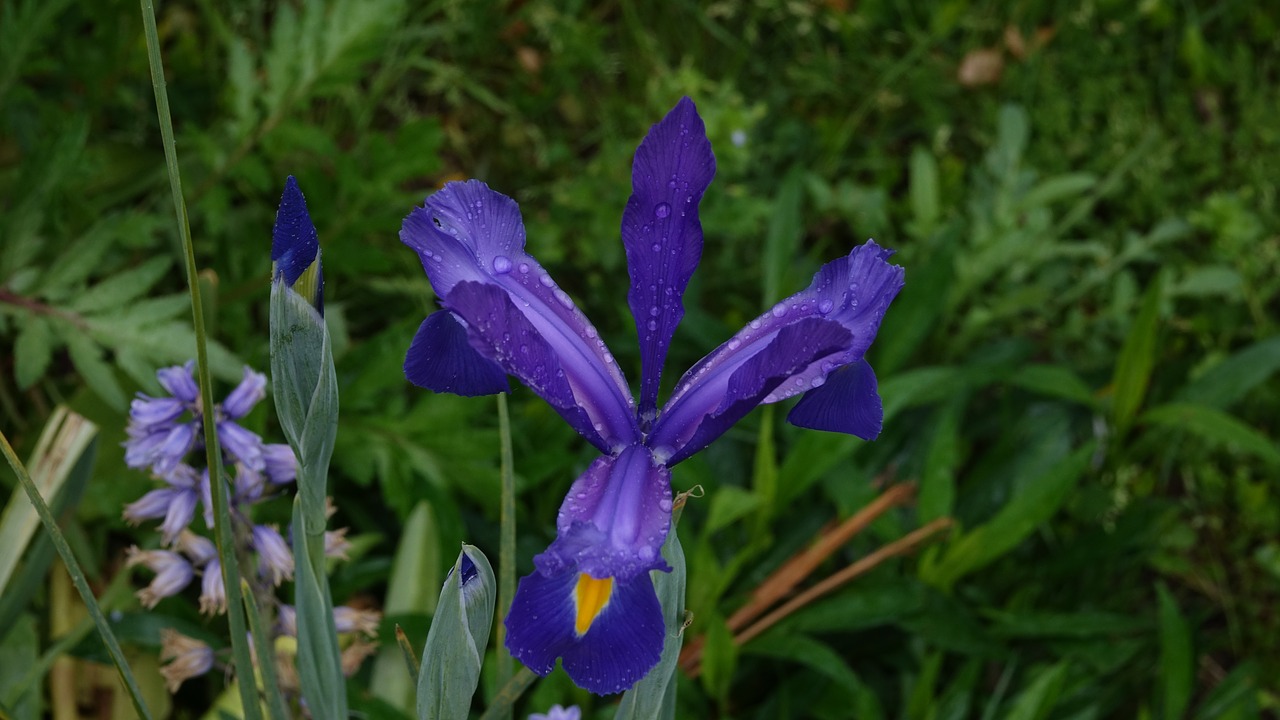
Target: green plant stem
point(506, 542)
point(77, 577)
point(264, 644)
point(223, 530)
point(509, 694)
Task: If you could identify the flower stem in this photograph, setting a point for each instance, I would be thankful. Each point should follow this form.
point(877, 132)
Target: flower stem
point(77, 577)
point(218, 483)
point(506, 544)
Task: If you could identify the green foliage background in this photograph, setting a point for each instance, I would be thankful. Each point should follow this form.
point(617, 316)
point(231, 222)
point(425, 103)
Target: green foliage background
point(1081, 369)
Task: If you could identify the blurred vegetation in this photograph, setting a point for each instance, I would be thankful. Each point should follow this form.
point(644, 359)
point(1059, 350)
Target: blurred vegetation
point(1080, 371)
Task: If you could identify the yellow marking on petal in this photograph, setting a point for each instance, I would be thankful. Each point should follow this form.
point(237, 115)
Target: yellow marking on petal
point(590, 597)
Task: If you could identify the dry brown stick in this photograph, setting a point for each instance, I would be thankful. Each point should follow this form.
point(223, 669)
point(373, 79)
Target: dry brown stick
point(901, 546)
point(802, 564)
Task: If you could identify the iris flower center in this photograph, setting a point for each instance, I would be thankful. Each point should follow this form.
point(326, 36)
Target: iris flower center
point(591, 597)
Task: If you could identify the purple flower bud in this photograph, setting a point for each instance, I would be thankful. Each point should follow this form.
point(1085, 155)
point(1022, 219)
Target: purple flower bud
point(173, 573)
point(287, 621)
point(251, 390)
point(178, 382)
point(275, 560)
point(281, 465)
point(143, 444)
point(175, 447)
point(559, 713)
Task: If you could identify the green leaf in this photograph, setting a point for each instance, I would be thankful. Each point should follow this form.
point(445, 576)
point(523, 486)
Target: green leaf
point(719, 659)
point(87, 357)
point(19, 650)
point(810, 652)
point(1041, 696)
point(1231, 380)
point(119, 289)
point(1214, 426)
point(319, 661)
point(941, 463)
point(924, 193)
point(782, 239)
point(1058, 188)
point(1054, 381)
point(1137, 357)
point(1039, 500)
point(1177, 663)
point(415, 575)
point(450, 668)
point(728, 504)
point(32, 350)
point(655, 695)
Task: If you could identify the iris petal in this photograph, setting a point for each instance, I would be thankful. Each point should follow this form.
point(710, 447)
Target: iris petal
point(502, 333)
point(663, 235)
point(467, 232)
point(714, 405)
point(848, 402)
point(614, 519)
point(440, 358)
point(623, 643)
point(294, 241)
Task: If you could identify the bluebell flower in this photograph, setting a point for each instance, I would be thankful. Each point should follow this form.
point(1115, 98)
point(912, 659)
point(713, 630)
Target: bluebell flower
point(590, 601)
point(275, 561)
point(184, 658)
point(173, 573)
point(558, 712)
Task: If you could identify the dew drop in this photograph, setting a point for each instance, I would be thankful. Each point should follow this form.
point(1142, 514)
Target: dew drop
point(779, 310)
point(591, 331)
point(672, 183)
point(563, 297)
point(734, 344)
point(657, 247)
point(645, 552)
point(501, 264)
point(755, 324)
point(825, 306)
point(654, 311)
point(817, 382)
point(524, 267)
point(652, 325)
point(665, 504)
point(546, 281)
point(662, 210)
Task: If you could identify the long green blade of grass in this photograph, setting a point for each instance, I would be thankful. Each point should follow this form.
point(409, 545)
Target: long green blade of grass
point(222, 519)
point(77, 577)
point(506, 544)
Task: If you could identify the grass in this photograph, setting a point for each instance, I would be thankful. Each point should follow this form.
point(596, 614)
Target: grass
point(1080, 371)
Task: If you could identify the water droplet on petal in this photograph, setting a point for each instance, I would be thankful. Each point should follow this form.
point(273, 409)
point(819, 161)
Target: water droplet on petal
point(645, 552)
point(524, 267)
point(825, 306)
point(652, 325)
point(501, 264)
point(779, 310)
point(662, 210)
point(563, 297)
point(817, 382)
point(546, 280)
point(665, 504)
point(755, 324)
point(656, 247)
point(654, 311)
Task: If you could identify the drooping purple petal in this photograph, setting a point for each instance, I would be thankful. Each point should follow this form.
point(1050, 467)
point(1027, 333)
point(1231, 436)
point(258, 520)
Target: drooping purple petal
point(848, 402)
point(148, 411)
point(180, 511)
point(242, 445)
point(717, 400)
point(622, 645)
point(614, 519)
point(155, 504)
point(467, 232)
point(280, 465)
point(294, 242)
point(251, 390)
point(441, 358)
point(663, 236)
point(501, 332)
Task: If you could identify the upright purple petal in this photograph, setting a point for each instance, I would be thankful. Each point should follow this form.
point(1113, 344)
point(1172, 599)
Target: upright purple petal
point(614, 519)
point(441, 358)
point(848, 402)
point(663, 236)
point(467, 232)
point(716, 401)
point(178, 382)
point(621, 646)
point(501, 332)
point(294, 241)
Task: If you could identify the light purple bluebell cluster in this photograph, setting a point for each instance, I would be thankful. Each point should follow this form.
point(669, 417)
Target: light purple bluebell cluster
point(558, 712)
point(591, 601)
point(162, 432)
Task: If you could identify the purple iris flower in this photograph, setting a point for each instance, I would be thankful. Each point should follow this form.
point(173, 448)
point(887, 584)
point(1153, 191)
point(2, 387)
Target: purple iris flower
point(590, 601)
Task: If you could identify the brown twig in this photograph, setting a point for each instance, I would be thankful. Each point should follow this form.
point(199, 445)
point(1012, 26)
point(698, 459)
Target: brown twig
point(793, 572)
point(901, 546)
